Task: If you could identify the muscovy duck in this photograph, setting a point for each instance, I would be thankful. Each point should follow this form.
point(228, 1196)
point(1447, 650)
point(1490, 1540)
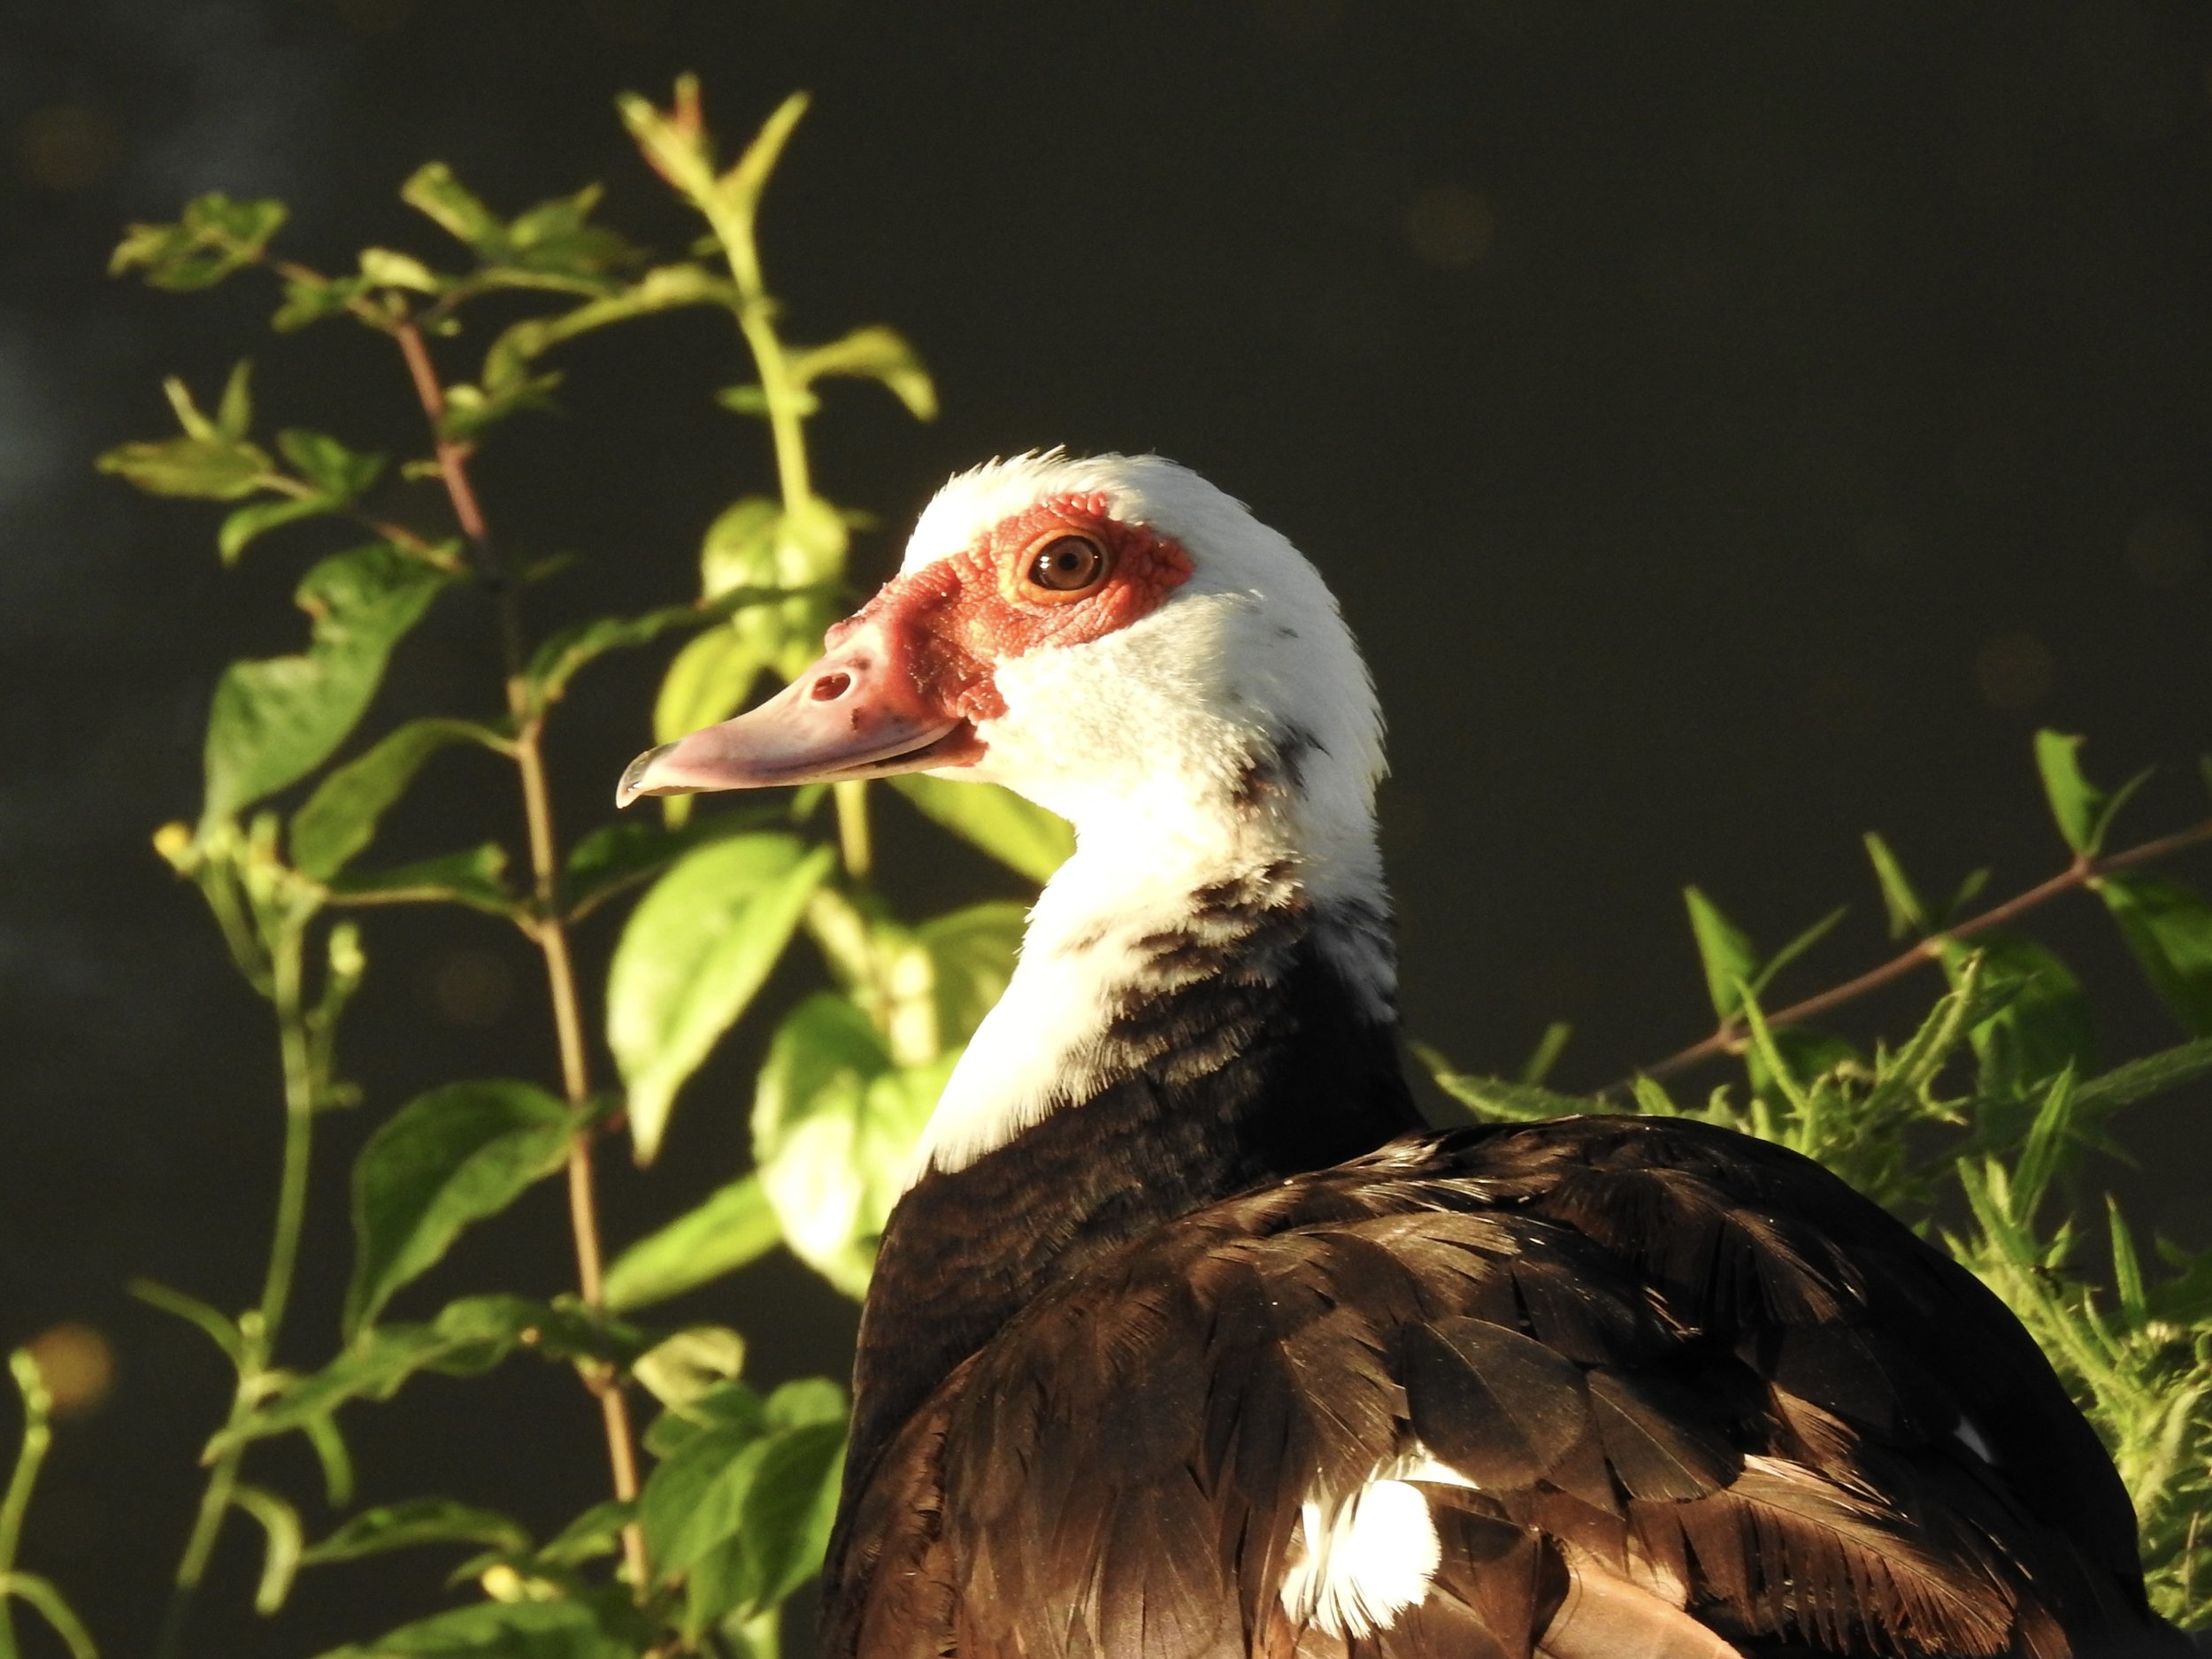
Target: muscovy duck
point(1189, 1341)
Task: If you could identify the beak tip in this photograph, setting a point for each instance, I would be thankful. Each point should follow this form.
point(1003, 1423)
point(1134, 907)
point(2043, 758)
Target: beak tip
point(636, 775)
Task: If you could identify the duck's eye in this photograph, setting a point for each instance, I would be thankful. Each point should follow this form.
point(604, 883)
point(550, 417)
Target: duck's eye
point(1067, 565)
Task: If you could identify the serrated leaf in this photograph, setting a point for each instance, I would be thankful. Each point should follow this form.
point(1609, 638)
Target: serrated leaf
point(417, 1522)
point(834, 1125)
point(1023, 837)
point(695, 949)
point(214, 237)
point(273, 721)
point(220, 1328)
point(875, 353)
point(285, 1539)
point(2143, 1078)
point(497, 1630)
point(1494, 1099)
point(620, 855)
point(443, 1161)
point(1546, 1054)
point(341, 817)
point(2168, 926)
point(2042, 1026)
point(1730, 962)
point(734, 1226)
point(473, 877)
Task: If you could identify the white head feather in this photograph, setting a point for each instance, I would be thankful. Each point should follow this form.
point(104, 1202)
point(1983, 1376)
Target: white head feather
point(1148, 741)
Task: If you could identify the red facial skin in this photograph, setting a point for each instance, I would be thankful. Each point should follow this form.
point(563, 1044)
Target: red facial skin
point(952, 621)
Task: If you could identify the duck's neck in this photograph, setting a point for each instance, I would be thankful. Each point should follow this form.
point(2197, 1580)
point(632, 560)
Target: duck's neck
point(1166, 1041)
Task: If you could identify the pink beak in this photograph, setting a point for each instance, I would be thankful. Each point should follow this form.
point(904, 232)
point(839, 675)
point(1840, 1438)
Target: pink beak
point(857, 713)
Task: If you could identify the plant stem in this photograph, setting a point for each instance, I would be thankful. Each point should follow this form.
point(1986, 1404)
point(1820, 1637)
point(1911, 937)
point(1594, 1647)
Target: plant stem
point(37, 1436)
point(756, 313)
point(546, 928)
point(2083, 872)
point(287, 954)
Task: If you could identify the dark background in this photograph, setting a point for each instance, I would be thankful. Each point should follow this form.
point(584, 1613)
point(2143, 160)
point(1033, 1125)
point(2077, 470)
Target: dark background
point(1730, 427)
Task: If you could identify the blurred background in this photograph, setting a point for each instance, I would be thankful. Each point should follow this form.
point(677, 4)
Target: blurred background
point(1730, 427)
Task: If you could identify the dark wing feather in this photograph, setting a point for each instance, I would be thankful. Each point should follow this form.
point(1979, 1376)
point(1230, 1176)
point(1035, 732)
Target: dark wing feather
point(1694, 1384)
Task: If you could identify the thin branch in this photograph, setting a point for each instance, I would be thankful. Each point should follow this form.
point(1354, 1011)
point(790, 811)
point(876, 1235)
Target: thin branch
point(548, 930)
point(2082, 872)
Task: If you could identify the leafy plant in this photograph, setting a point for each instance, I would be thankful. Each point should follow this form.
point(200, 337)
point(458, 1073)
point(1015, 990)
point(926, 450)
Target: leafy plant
point(721, 1508)
point(1981, 1128)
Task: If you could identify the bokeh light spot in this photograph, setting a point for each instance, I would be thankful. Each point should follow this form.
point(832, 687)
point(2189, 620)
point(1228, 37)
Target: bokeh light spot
point(77, 1365)
point(2014, 671)
point(1450, 225)
point(2164, 550)
point(67, 147)
point(469, 987)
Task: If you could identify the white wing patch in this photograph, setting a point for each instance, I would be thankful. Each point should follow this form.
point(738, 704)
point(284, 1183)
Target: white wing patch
point(1364, 1558)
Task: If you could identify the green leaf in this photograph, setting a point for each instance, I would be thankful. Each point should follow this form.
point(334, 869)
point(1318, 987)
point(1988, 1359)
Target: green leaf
point(473, 877)
point(281, 1561)
point(416, 1522)
point(2127, 1270)
point(835, 1124)
point(708, 681)
point(681, 1369)
point(309, 299)
point(329, 1447)
point(664, 288)
point(215, 237)
point(783, 1526)
point(221, 1329)
point(274, 721)
point(446, 1159)
point(432, 190)
point(2043, 1025)
point(557, 661)
point(1546, 1054)
point(1731, 960)
point(1796, 948)
point(1025, 838)
point(234, 415)
point(244, 525)
point(736, 1225)
point(200, 469)
point(696, 948)
point(341, 817)
point(742, 185)
point(468, 1338)
point(1899, 901)
point(875, 353)
point(2140, 1080)
point(590, 1534)
point(1495, 1100)
point(971, 955)
point(2168, 925)
point(38, 1593)
point(388, 268)
point(620, 855)
point(341, 474)
point(498, 1630)
point(2078, 806)
point(729, 1405)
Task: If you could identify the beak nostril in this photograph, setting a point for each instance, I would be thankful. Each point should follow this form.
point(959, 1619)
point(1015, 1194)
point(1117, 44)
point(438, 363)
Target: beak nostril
point(831, 686)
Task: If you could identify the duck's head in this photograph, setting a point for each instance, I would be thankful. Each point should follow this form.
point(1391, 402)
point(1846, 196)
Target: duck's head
point(1113, 638)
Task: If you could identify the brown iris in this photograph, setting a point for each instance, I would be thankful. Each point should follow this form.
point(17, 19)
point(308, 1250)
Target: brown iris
point(1066, 567)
